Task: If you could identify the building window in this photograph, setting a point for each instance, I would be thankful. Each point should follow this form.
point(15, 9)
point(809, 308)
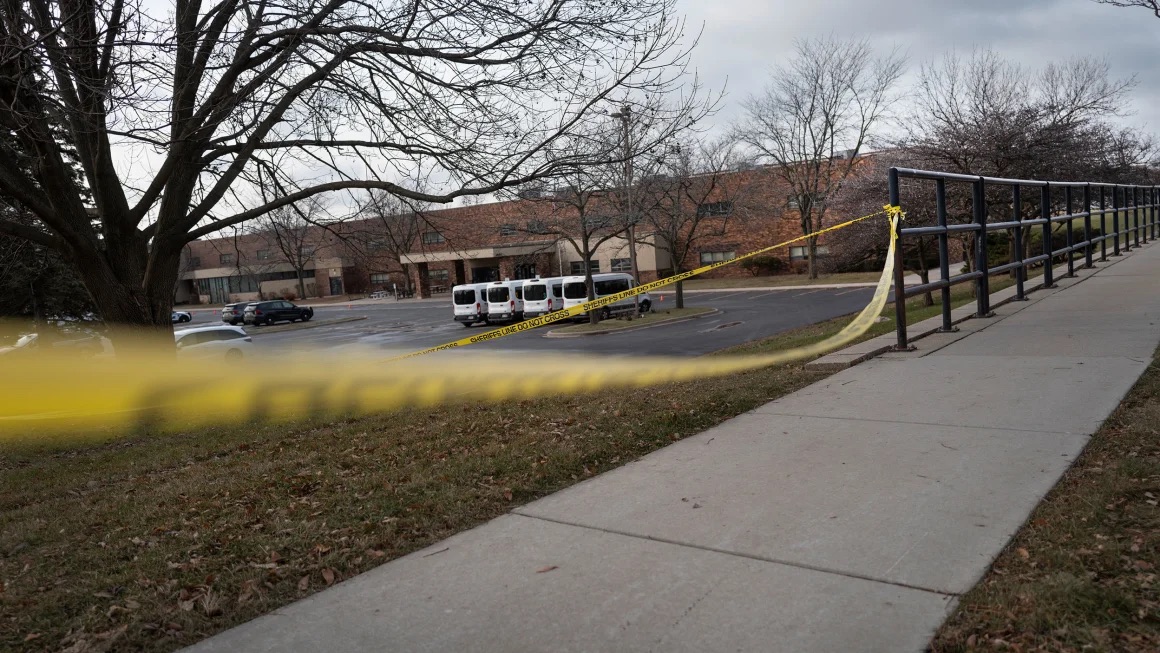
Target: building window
point(594, 222)
point(801, 253)
point(438, 277)
point(263, 254)
point(226, 259)
point(792, 202)
point(433, 238)
point(507, 230)
point(537, 227)
point(621, 265)
point(381, 277)
point(307, 251)
point(195, 262)
point(710, 209)
point(717, 257)
point(578, 267)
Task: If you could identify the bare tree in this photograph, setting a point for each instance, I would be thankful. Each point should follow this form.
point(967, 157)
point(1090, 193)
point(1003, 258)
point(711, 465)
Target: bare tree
point(688, 199)
point(579, 213)
point(293, 232)
point(387, 227)
point(213, 100)
point(814, 119)
point(1151, 5)
point(593, 203)
point(985, 115)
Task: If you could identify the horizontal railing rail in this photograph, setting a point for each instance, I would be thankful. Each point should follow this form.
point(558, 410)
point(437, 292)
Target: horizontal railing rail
point(1134, 208)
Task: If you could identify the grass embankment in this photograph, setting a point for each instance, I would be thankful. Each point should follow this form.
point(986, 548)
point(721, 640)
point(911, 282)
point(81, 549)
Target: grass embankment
point(1082, 573)
point(654, 318)
point(154, 542)
point(775, 281)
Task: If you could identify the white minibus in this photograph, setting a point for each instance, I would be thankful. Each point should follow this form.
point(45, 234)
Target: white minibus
point(470, 301)
point(505, 301)
point(543, 296)
point(576, 293)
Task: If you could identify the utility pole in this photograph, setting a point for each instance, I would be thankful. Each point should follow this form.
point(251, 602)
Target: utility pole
point(625, 115)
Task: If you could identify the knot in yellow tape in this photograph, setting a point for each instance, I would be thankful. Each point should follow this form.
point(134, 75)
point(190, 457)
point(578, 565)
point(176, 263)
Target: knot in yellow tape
point(894, 211)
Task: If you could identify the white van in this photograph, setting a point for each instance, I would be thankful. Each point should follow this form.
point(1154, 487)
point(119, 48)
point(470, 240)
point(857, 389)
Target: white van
point(470, 302)
point(576, 293)
point(505, 301)
point(543, 296)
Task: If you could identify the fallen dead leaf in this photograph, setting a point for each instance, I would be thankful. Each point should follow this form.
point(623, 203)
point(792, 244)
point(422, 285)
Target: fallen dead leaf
point(328, 575)
point(546, 569)
point(303, 583)
point(1023, 553)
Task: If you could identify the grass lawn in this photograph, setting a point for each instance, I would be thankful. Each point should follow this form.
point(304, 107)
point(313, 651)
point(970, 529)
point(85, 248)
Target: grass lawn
point(154, 542)
point(1082, 573)
point(775, 281)
point(658, 316)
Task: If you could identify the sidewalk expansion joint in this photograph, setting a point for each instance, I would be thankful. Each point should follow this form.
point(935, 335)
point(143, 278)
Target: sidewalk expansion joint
point(1003, 429)
point(738, 554)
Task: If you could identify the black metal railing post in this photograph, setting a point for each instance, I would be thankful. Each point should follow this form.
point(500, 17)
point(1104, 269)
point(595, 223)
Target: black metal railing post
point(1155, 231)
point(1141, 215)
point(1020, 271)
point(1135, 218)
point(979, 209)
point(1116, 220)
point(1087, 225)
point(1126, 209)
point(1045, 215)
point(1070, 233)
point(899, 269)
point(1103, 225)
point(944, 259)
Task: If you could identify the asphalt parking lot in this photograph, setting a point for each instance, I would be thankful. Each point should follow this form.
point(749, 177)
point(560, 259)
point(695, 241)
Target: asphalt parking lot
point(405, 326)
point(410, 325)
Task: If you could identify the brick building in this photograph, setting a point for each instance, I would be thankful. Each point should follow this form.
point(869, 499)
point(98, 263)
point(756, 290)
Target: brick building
point(522, 238)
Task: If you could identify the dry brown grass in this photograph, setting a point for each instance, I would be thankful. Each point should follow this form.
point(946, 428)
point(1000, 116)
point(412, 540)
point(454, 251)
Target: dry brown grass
point(1082, 573)
point(154, 542)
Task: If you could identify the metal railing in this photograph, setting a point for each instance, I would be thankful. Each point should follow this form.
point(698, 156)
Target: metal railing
point(1134, 208)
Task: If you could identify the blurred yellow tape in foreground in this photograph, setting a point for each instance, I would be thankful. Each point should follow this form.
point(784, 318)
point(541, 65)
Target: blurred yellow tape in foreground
point(147, 390)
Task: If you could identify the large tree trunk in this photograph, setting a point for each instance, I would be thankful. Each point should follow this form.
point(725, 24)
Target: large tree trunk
point(680, 293)
point(134, 298)
point(301, 284)
point(812, 256)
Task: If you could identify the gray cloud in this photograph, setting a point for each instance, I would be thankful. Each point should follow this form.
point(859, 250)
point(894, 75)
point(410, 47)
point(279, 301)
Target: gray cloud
point(742, 39)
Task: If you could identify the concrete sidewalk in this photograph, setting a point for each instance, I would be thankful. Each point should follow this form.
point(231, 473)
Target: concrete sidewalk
point(845, 517)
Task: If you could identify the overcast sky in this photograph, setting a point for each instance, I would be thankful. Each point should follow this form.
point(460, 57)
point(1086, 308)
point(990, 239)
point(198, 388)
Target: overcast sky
point(743, 38)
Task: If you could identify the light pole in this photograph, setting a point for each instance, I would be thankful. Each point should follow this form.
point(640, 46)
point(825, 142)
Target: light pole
point(625, 115)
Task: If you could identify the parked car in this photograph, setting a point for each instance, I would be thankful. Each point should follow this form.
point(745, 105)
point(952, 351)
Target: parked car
point(83, 343)
point(229, 342)
point(234, 313)
point(259, 313)
point(177, 317)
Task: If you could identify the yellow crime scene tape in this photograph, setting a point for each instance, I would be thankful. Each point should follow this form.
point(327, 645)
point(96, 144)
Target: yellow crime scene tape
point(146, 390)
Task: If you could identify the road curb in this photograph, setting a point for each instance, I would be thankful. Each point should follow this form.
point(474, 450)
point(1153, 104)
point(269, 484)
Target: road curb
point(677, 320)
point(305, 325)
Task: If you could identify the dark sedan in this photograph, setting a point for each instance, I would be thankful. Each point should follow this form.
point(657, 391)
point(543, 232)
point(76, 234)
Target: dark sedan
point(259, 313)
